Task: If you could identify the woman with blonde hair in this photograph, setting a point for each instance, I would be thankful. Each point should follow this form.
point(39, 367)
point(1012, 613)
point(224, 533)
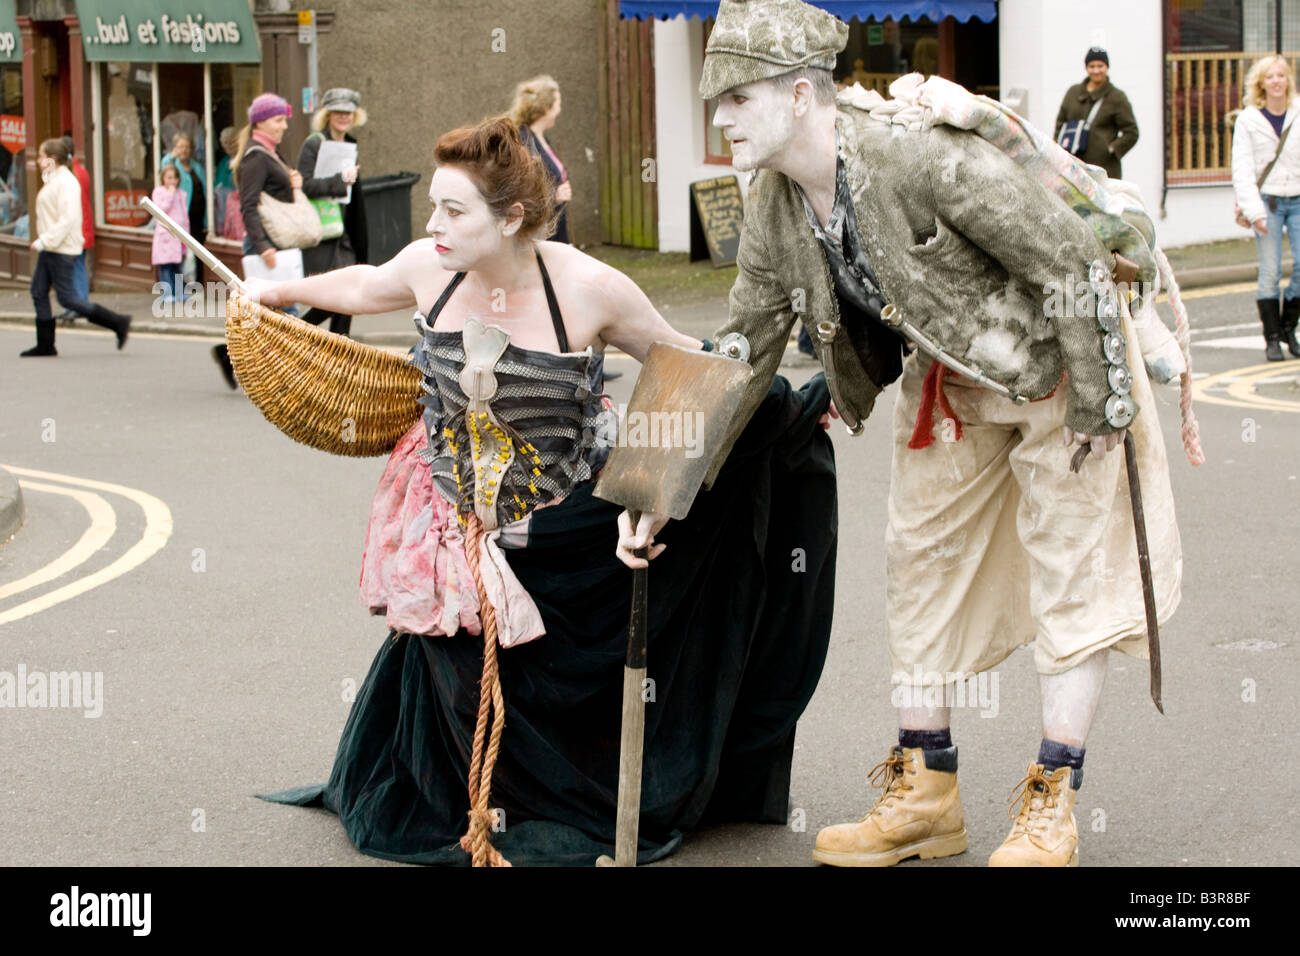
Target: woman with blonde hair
point(338, 198)
point(535, 109)
point(257, 167)
point(1266, 179)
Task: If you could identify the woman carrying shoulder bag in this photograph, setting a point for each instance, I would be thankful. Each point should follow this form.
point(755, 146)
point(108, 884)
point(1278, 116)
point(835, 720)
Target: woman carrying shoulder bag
point(344, 242)
point(1266, 179)
point(258, 168)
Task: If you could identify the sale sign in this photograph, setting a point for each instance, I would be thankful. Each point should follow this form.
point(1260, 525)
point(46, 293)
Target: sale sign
point(122, 207)
point(13, 133)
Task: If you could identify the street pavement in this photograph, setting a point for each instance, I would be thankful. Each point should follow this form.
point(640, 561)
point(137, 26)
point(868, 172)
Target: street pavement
point(216, 564)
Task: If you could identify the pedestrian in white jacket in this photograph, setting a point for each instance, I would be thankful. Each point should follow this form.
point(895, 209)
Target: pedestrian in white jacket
point(1266, 179)
point(57, 246)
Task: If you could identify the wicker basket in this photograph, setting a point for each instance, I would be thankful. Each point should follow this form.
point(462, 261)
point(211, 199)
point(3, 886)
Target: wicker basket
point(321, 389)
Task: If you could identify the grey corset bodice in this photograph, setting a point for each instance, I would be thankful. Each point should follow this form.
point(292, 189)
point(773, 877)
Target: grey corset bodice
point(548, 404)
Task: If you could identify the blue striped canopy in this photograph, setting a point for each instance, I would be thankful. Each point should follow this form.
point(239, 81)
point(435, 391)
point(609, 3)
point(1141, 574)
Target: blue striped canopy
point(936, 10)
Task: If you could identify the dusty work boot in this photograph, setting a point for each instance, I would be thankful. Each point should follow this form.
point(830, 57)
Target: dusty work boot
point(1043, 831)
point(917, 814)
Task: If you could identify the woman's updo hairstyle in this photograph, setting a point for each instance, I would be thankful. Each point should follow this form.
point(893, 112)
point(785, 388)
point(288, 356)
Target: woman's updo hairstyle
point(504, 170)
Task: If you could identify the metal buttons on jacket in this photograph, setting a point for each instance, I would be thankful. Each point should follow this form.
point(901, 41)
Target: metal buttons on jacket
point(734, 345)
point(1119, 406)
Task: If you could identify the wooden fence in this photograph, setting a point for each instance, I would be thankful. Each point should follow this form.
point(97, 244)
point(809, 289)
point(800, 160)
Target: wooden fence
point(629, 203)
point(1201, 90)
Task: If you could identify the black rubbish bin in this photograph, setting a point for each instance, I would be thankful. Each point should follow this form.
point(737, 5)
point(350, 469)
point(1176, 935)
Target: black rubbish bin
point(388, 214)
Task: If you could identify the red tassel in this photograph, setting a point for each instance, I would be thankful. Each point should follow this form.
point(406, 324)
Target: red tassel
point(923, 433)
point(932, 391)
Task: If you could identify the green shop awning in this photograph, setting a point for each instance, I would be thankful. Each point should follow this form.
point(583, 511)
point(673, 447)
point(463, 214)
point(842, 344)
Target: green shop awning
point(11, 41)
point(169, 31)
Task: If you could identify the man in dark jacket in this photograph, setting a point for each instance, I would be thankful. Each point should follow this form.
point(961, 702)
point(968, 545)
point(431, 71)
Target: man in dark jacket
point(1113, 130)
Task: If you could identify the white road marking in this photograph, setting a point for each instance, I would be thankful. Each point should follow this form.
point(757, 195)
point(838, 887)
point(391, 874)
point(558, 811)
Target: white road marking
point(103, 522)
point(1239, 385)
point(1244, 342)
point(1230, 328)
point(157, 531)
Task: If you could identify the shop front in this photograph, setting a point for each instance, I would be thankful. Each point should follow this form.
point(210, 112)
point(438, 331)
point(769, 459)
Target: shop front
point(955, 39)
point(137, 84)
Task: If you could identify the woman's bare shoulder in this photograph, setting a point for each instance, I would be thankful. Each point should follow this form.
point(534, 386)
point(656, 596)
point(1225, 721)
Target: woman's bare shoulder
point(573, 269)
point(418, 266)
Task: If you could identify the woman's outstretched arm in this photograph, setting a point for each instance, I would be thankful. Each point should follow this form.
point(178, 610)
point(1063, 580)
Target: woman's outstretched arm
point(359, 290)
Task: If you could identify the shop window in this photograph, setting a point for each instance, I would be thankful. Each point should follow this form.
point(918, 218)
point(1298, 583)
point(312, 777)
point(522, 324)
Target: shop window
point(126, 105)
point(183, 136)
point(13, 140)
point(1210, 46)
point(234, 87)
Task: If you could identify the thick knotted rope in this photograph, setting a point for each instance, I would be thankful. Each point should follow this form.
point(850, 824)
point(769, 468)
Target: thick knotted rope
point(1190, 429)
point(491, 703)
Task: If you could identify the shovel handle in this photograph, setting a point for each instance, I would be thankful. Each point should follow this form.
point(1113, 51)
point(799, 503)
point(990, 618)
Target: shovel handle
point(196, 247)
point(636, 630)
point(632, 743)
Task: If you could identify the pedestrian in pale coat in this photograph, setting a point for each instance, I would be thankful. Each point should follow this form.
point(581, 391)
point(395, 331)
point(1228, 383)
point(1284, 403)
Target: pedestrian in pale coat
point(1274, 205)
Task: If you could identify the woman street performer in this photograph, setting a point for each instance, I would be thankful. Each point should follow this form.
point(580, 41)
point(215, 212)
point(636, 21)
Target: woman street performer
point(740, 606)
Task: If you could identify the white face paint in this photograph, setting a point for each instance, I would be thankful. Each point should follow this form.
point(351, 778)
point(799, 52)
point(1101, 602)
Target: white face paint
point(758, 119)
point(462, 224)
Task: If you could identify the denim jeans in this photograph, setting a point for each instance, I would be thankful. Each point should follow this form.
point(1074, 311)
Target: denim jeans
point(169, 274)
point(81, 280)
point(1270, 249)
point(57, 271)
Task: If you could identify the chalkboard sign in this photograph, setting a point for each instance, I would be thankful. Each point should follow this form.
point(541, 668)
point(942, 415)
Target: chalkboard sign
point(717, 212)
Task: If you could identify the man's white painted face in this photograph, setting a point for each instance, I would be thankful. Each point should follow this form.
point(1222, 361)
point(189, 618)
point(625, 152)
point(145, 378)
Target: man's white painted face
point(462, 224)
point(758, 120)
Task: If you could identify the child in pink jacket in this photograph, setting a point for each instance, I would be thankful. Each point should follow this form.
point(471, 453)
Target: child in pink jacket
point(168, 252)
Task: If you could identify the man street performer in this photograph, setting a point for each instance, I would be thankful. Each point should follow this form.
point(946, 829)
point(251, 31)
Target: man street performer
point(856, 219)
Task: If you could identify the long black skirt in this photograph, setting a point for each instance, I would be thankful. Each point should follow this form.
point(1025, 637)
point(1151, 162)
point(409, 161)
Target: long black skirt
point(739, 619)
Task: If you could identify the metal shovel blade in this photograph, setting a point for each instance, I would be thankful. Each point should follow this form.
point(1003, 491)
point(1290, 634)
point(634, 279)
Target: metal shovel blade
point(680, 411)
point(679, 414)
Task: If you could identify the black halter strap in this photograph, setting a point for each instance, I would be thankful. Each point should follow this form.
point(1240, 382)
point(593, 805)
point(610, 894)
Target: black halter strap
point(556, 319)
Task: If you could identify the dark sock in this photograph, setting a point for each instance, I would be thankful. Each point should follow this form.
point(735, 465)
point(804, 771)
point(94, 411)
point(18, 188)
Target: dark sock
point(925, 739)
point(1054, 755)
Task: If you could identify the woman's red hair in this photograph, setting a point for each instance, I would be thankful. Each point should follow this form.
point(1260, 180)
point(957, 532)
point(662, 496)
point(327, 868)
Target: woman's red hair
point(504, 170)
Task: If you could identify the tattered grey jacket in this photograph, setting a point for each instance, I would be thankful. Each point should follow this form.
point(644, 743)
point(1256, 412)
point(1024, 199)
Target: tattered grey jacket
point(969, 246)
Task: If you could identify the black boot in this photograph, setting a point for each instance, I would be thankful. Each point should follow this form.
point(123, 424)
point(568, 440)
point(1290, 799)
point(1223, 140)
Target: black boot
point(221, 355)
point(44, 340)
point(1290, 318)
point(1269, 316)
point(118, 322)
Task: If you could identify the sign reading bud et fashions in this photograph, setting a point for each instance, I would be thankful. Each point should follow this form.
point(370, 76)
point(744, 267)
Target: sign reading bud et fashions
point(11, 41)
point(168, 31)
